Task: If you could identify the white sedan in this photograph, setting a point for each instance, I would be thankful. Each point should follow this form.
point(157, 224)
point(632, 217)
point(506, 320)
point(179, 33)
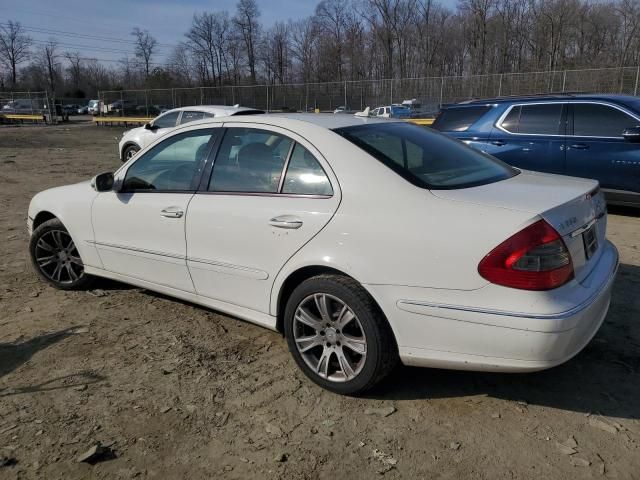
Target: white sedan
point(363, 241)
point(134, 140)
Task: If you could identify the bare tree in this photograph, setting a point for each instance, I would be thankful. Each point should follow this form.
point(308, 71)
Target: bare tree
point(14, 47)
point(145, 48)
point(75, 68)
point(246, 20)
point(48, 60)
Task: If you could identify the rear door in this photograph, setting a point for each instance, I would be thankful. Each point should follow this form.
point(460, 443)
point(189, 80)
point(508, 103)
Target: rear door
point(531, 136)
point(269, 193)
point(596, 148)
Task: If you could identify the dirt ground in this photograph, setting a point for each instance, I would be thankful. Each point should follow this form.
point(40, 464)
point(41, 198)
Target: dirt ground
point(178, 391)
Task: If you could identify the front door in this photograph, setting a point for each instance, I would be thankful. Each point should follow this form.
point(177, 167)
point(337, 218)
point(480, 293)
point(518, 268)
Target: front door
point(140, 230)
point(531, 136)
point(596, 148)
point(267, 196)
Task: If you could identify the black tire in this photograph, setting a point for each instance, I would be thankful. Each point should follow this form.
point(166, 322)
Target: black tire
point(129, 152)
point(381, 349)
point(56, 259)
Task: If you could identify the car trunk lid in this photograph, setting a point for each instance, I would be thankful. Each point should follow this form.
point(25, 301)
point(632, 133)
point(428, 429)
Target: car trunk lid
point(574, 207)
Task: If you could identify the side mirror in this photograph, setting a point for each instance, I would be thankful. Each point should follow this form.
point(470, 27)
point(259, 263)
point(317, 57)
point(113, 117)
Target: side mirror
point(631, 134)
point(102, 182)
point(150, 126)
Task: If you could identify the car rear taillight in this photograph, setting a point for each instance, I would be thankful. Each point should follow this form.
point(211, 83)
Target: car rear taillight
point(535, 258)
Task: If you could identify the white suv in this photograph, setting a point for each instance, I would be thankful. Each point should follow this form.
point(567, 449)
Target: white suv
point(136, 139)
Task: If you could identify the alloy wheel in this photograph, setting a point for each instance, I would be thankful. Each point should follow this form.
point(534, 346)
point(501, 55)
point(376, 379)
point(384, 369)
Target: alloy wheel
point(57, 257)
point(329, 337)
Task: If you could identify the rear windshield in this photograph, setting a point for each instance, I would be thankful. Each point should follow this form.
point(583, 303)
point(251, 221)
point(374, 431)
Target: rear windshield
point(426, 158)
point(459, 119)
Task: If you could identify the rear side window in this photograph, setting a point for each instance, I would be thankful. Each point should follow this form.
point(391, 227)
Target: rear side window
point(593, 120)
point(249, 160)
point(459, 119)
point(426, 158)
point(304, 175)
point(538, 119)
point(191, 116)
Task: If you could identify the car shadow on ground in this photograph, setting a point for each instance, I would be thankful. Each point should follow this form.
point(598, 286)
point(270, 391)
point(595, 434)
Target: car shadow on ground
point(15, 354)
point(604, 378)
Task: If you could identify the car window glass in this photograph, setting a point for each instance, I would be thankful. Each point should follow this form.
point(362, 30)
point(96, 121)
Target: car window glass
point(167, 120)
point(249, 160)
point(426, 158)
point(191, 116)
point(304, 175)
point(511, 121)
point(540, 119)
point(170, 165)
point(209, 115)
point(459, 119)
point(593, 120)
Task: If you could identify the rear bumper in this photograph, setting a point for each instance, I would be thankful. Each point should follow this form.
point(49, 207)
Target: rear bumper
point(533, 337)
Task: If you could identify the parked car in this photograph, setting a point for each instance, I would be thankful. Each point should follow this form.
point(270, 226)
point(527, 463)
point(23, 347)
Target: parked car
point(135, 139)
point(93, 107)
point(122, 107)
point(362, 240)
point(70, 109)
point(83, 110)
point(392, 111)
point(590, 136)
point(23, 105)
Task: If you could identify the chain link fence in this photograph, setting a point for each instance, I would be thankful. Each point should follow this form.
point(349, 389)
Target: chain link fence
point(429, 92)
point(23, 106)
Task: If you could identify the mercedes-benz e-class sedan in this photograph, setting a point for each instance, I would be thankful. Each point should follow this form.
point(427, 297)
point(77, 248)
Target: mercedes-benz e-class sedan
point(364, 241)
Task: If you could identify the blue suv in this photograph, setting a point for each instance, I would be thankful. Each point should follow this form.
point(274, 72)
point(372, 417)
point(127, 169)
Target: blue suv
point(592, 136)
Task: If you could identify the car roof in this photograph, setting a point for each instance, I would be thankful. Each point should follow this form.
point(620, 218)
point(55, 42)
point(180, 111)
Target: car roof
point(625, 99)
point(325, 120)
point(222, 110)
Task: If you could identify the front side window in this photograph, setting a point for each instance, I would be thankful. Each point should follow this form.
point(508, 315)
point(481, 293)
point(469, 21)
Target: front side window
point(168, 120)
point(536, 119)
point(170, 165)
point(594, 120)
point(459, 119)
point(425, 158)
point(190, 116)
point(304, 175)
point(250, 160)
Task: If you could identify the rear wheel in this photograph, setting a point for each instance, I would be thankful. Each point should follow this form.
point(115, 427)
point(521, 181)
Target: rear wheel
point(55, 257)
point(337, 334)
point(129, 152)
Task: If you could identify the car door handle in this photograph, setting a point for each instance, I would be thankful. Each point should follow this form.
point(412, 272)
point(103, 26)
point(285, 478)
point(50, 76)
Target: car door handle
point(172, 212)
point(286, 221)
point(580, 146)
point(499, 143)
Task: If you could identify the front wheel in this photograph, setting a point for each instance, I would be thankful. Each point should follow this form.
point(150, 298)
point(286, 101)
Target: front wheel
point(55, 257)
point(338, 336)
point(129, 152)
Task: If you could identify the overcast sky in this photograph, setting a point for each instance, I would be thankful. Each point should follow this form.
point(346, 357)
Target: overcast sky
point(113, 20)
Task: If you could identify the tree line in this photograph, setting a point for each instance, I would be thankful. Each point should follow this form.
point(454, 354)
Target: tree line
point(343, 40)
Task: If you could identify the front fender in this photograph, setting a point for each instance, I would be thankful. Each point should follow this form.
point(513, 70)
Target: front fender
point(71, 204)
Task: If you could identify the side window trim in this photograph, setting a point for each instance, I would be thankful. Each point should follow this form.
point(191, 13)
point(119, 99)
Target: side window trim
point(207, 172)
point(286, 165)
point(502, 118)
point(605, 104)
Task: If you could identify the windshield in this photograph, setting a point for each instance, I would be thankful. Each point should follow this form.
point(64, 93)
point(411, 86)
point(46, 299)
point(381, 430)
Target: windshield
point(426, 158)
